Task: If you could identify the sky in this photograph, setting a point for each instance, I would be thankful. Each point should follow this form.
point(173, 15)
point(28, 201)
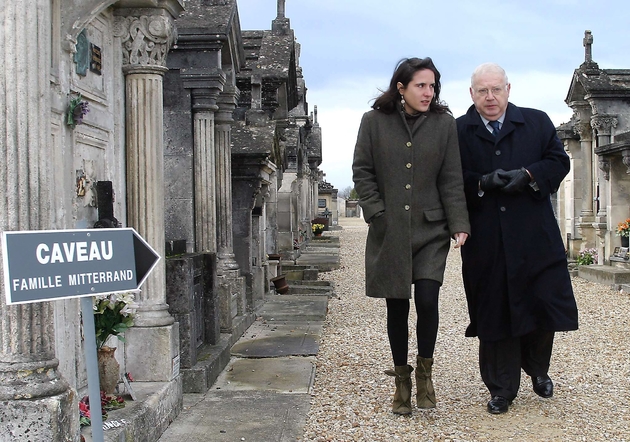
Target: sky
point(349, 49)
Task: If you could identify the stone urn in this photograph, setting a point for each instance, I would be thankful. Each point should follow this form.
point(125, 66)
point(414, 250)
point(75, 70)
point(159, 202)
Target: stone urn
point(108, 369)
point(280, 283)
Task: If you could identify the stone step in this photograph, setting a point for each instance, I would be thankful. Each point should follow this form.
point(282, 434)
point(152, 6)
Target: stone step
point(300, 272)
point(603, 274)
point(312, 290)
point(312, 283)
point(290, 307)
point(212, 359)
point(333, 241)
point(157, 405)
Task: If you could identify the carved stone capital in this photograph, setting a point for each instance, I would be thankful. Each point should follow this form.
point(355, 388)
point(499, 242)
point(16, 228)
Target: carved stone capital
point(145, 39)
point(584, 130)
point(205, 85)
point(603, 123)
point(227, 103)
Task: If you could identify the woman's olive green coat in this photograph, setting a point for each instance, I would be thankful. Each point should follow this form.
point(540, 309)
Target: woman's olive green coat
point(411, 179)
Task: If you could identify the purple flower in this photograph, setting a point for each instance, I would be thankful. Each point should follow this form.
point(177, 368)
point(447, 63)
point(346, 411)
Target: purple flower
point(77, 110)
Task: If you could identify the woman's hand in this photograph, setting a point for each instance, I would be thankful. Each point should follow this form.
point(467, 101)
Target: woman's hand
point(460, 239)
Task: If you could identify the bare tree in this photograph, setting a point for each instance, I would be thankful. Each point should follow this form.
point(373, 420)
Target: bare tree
point(345, 192)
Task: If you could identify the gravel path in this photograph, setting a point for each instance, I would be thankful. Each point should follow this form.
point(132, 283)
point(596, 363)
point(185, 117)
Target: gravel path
point(352, 397)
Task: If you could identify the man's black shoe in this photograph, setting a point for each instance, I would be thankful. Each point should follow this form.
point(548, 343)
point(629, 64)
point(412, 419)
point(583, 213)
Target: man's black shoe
point(498, 405)
point(543, 386)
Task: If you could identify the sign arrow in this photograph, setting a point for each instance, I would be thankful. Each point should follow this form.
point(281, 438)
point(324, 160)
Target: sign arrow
point(44, 265)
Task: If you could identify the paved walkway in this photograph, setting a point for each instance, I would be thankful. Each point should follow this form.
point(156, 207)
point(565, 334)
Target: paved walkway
point(264, 393)
point(311, 368)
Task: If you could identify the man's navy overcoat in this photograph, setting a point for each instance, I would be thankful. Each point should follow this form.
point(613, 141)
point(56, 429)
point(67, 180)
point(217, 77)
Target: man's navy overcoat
point(514, 263)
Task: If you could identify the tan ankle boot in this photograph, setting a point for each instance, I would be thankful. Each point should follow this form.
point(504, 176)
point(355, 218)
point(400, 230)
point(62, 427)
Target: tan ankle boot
point(402, 396)
point(425, 397)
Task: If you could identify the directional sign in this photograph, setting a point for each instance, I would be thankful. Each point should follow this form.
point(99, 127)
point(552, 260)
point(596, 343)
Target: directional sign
point(43, 265)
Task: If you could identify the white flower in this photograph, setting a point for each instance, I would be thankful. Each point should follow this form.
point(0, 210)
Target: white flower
point(126, 297)
point(129, 309)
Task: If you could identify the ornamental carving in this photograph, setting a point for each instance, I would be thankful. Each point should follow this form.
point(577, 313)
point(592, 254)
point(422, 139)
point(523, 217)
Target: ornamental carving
point(146, 39)
point(584, 130)
point(603, 123)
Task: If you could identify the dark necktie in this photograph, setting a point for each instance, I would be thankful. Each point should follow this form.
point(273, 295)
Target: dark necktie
point(495, 127)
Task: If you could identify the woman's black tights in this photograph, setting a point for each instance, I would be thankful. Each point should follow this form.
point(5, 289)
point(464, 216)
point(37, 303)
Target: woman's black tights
point(425, 297)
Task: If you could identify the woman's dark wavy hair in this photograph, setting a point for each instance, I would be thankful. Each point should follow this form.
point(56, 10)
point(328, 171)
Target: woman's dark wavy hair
point(404, 72)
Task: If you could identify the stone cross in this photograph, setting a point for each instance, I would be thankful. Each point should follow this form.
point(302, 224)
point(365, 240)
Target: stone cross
point(588, 42)
point(281, 4)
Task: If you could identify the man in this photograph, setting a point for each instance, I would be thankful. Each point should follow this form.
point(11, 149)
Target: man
point(515, 273)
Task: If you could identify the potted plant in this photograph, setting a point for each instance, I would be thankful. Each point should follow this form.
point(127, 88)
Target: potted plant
point(623, 230)
point(318, 229)
point(113, 315)
point(587, 257)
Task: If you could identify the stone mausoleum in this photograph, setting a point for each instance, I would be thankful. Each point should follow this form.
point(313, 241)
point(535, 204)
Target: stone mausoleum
point(199, 136)
point(595, 196)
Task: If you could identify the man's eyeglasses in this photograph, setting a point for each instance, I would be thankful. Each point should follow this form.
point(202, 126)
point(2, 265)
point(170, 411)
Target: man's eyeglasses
point(496, 91)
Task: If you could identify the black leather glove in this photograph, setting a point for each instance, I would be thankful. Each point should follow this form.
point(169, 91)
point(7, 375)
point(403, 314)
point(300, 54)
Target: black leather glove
point(517, 180)
point(492, 180)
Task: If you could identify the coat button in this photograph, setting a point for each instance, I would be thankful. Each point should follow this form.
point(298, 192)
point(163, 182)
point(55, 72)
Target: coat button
point(497, 153)
point(408, 186)
point(408, 165)
point(408, 143)
point(407, 207)
point(502, 209)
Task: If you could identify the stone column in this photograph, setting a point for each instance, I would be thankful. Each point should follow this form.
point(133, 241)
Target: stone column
point(271, 211)
point(586, 143)
point(223, 128)
point(586, 219)
point(205, 88)
point(37, 403)
point(152, 344)
point(231, 284)
point(205, 211)
point(603, 124)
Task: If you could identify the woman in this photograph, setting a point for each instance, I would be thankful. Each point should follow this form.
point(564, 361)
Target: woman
point(408, 175)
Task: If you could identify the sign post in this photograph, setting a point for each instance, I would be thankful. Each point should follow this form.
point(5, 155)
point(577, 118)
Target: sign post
point(46, 265)
point(91, 364)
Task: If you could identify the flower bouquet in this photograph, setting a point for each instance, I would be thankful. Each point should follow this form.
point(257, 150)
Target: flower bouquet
point(113, 315)
point(108, 403)
point(76, 111)
point(623, 228)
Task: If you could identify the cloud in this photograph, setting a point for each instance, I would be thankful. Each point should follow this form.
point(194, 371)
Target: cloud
point(339, 134)
point(349, 49)
point(340, 107)
point(544, 91)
